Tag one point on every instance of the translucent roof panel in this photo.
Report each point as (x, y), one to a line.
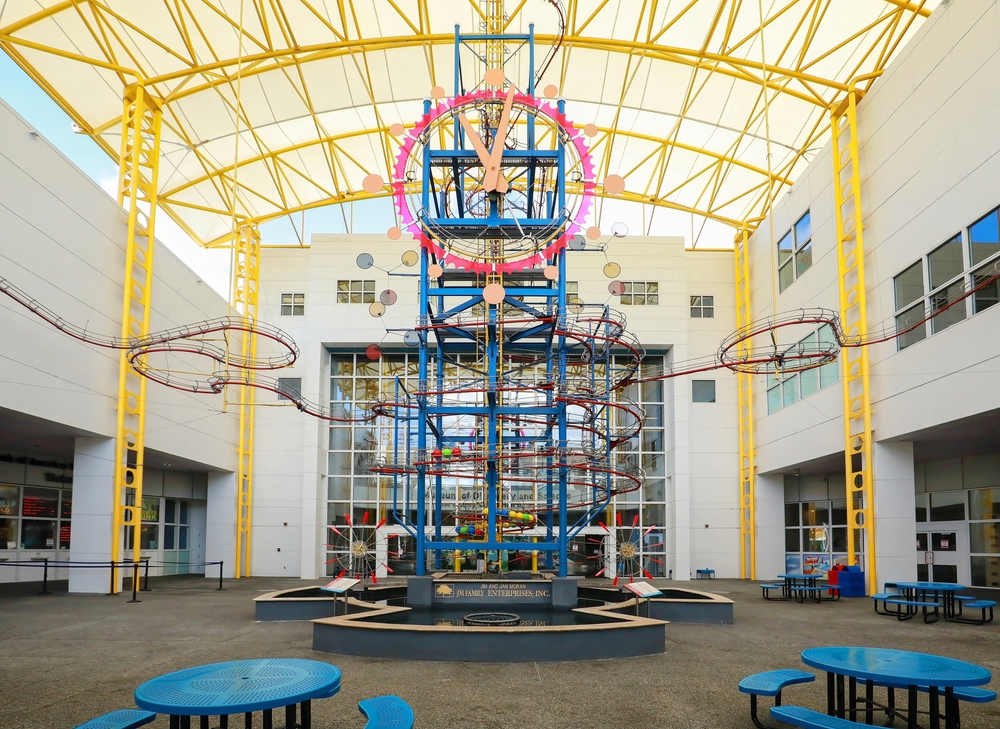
(708, 106)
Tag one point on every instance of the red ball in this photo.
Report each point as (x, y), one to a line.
(456, 451)
(436, 453)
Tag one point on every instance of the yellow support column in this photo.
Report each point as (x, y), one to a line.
(744, 385)
(854, 320)
(140, 154)
(246, 277)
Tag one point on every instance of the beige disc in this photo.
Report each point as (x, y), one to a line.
(409, 258)
(435, 271)
(493, 293)
(397, 130)
(590, 130)
(438, 92)
(575, 305)
(373, 183)
(495, 77)
(377, 309)
(551, 273)
(593, 232)
(393, 233)
(551, 91)
(612, 270)
(614, 184)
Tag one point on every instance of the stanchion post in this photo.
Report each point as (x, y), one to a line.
(145, 577)
(45, 578)
(113, 585)
(221, 562)
(135, 582)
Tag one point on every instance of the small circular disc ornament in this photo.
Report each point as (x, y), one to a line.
(393, 233)
(575, 305)
(616, 288)
(614, 184)
(373, 352)
(397, 130)
(373, 183)
(377, 309)
(435, 270)
(612, 270)
(409, 258)
(593, 232)
(387, 297)
(577, 242)
(365, 261)
(495, 77)
(494, 293)
(551, 273)
(591, 130)
(551, 91)
(619, 230)
(438, 92)
(411, 339)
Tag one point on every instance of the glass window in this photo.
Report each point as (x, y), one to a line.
(803, 230)
(793, 540)
(984, 537)
(170, 512)
(987, 294)
(947, 308)
(169, 536)
(703, 390)
(790, 390)
(40, 502)
(948, 506)
(774, 399)
(985, 571)
(65, 532)
(839, 539)
(182, 537)
(815, 539)
(910, 327)
(786, 275)
(815, 513)
(8, 500)
(922, 542)
(702, 307)
(291, 386)
(38, 533)
(945, 262)
(184, 513)
(803, 259)
(785, 246)
(921, 507)
(65, 504)
(791, 515)
(984, 240)
(293, 304)
(984, 504)
(838, 513)
(149, 536)
(8, 533)
(809, 382)
(150, 508)
(909, 285)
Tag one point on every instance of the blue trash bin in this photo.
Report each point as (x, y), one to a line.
(852, 582)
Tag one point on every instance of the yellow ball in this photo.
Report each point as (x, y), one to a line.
(486, 510)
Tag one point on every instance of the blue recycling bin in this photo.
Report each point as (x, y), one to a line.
(852, 582)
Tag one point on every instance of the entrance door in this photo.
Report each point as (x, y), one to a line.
(948, 549)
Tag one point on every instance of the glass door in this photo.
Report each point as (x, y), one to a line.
(176, 537)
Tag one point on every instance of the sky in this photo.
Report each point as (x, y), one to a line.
(375, 216)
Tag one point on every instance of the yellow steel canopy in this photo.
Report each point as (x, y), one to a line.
(289, 102)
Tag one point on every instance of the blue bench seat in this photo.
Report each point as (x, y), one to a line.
(767, 587)
(122, 719)
(709, 574)
(770, 683)
(929, 608)
(809, 719)
(386, 712)
(982, 605)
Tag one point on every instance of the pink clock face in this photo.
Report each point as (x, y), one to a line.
(458, 193)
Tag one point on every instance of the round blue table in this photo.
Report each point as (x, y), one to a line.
(792, 588)
(893, 668)
(240, 687)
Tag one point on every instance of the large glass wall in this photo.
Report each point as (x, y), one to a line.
(356, 494)
(815, 536)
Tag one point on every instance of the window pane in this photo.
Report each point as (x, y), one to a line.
(984, 240)
(790, 390)
(984, 538)
(341, 388)
(170, 511)
(785, 248)
(803, 260)
(169, 536)
(287, 298)
(8, 501)
(703, 390)
(708, 300)
(652, 391)
(829, 374)
(340, 438)
(910, 332)
(182, 542)
(65, 532)
(947, 315)
(803, 230)
(989, 294)
(289, 386)
(792, 541)
(774, 399)
(909, 285)
(921, 507)
(695, 312)
(809, 381)
(839, 539)
(652, 490)
(839, 513)
(791, 515)
(948, 506)
(40, 502)
(986, 571)
(695, 301)
(338, 489)
(984, 504)
(815, 539)
(815, 513)
(945, 262)
(785, 276)
(150, 508)
(38, 533)
(8, 534)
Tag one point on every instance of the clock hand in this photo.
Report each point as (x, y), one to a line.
(477, 143)
(494, 180)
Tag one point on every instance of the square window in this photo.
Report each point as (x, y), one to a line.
(947, 307)
(289, 386)
(785, 246)
(803, 230)
(910, 327)
(803, 259)
(703, 390)
(774, 399)
(293, 304)
(989, 294)
(785, 276)
(984, 238)
(909, 285)
(945, 262)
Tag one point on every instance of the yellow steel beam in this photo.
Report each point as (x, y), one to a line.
(140, 158)
(854, 321)
(744, 402)
(246, 280)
